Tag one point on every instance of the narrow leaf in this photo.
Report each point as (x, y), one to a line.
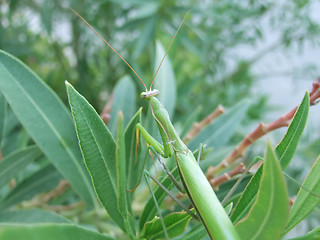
(175, 223)
(288, 145)
(43, 180)
(222, 129)
(124, 100)
(98, 150)
(165, 81)
(31, 216)
(284, 154)
(49, 231)
(3, 113)
(46, 120)
(268, 215)
(14, 163)
(122, 176)
(307, 198)
(133, 161)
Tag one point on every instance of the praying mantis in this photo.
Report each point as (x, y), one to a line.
(208, 208)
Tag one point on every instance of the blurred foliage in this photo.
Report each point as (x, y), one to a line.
(213, 55)
(51, 39)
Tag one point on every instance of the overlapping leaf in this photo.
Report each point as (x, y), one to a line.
(307, 198)
(284, 154)
(46, 120)
(43, 180)
(268, 215)
(11, 165)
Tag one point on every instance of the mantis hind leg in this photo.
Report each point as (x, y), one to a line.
(147, 174)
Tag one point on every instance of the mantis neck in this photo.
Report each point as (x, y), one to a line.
(162, 117)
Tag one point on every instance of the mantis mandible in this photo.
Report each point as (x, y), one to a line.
(201, 194)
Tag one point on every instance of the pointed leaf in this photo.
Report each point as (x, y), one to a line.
(307, 198)
(133, 161)
(175, 223)
(288, 145)
(284, 153)
(14, 163)
(165, 81)
(46, 120)
(268, 215)
(124, 100)
(49, 231)
(98, 150)
(122, 177)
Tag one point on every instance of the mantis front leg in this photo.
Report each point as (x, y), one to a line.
(164, 150)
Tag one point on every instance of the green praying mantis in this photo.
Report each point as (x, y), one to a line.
(208, 208)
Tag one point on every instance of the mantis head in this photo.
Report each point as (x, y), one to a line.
(148, 94)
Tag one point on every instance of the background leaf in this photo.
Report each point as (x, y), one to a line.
(124, 100)
(49, 231)
(165, 81)
(47, 121)
(31, 216)
(14, 163)
(222, 129)
(43, 180)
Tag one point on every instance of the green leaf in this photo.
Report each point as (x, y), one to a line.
(98, 150)
(124, 100)
(145, 37)
(122, 177)
(46, 120)
(284, 153)
(31, 216)
(49, 231)
(133, 161)
(14, 163)
(165, 81)
(312, 235)
(222, 129)
(268, 215)
(198, 232)
(288, 145)
(176, 224)
(307, 198)
(43, 180)
(150, 210)
(247, 197)
(3, 114)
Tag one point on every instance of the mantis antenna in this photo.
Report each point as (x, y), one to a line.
(110, 47)
(184, 18)
(124, 59)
